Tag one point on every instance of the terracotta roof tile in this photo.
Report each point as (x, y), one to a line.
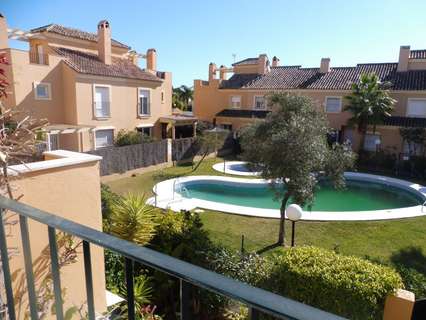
(341, 78)
(87, 63)
(75, 33)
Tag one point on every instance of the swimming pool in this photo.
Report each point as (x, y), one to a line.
(366, 197)
(238, 168)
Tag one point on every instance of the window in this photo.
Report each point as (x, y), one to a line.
(371, 142)
(42, 91)
(413, 149)
(333, 104)
(146, 131)
(104, 138)
(236, 101)
(416, 108)
(53, 141)
(226, 126)
(163, 98)
(259, 102)
(102, 101)
(144, 108)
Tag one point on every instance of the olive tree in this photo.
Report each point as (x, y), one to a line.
(290, 148)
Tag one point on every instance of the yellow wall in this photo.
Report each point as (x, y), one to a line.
(72, 192)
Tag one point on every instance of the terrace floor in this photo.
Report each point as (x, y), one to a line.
(398, 241)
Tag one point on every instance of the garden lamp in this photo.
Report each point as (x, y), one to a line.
(294, 213)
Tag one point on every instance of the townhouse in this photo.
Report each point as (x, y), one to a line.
(89, 86)
(234, 102)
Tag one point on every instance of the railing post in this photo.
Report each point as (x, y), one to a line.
(89, 280)
(253, 314)
(185, 300)
(6, 269)
(130, 289)
(55, 273)
(23, 222)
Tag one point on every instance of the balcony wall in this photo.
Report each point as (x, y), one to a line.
(68, 184)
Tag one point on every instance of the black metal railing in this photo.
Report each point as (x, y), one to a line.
(256, 299)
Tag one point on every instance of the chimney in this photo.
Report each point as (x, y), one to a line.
(212, 71)
(275, 61)
(404, 54)
(3, 33)
(104, 42)
(325, 65)
(263, 64)
(134, 57)
(151, 60)
(222, 72)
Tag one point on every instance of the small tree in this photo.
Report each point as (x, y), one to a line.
(132, 219)
(414, 137)
(369, 103)
(290, 147)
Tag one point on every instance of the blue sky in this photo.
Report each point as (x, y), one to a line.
(190, 34)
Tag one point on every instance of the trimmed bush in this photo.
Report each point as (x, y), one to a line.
(349, 286)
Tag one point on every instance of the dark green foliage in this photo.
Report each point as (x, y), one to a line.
(114, 270)
(246, 267)
(291, 145)
(413, 280)
(182, 236)
(107, 199)
(126, 138)
(344, 285)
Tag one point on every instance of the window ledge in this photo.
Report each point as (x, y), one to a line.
(144, 116)
(102, 118)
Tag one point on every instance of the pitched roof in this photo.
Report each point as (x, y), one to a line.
(340, 78)
(75, 33)
(246, 61)
(87, 63)
(418, 54)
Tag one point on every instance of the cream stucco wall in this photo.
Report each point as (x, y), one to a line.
(72, 192)
(72, 97)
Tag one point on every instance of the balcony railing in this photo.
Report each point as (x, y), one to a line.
(256, 299)
(38, 58)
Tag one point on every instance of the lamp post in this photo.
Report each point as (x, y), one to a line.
(294, 213)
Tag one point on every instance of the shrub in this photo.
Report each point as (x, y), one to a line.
(246, 267)
(344, 285)
(414, 280)
(125, 138)
(182, 236)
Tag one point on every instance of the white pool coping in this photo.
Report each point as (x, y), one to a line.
(219, 167)
(168, 197)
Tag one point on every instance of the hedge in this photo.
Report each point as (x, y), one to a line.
(348, 286)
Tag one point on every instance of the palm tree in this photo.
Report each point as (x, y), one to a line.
(132, 220)
(369, 103)
(182, 97)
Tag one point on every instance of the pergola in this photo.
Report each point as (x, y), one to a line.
(174, 121)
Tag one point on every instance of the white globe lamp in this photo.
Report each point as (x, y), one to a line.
(294, 213)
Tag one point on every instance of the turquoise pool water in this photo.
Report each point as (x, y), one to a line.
(358, 196)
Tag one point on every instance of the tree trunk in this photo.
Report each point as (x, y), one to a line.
(281, 233)
(199, 162)
(362, 141)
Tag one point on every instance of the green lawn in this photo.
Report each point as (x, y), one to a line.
(398, 240)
